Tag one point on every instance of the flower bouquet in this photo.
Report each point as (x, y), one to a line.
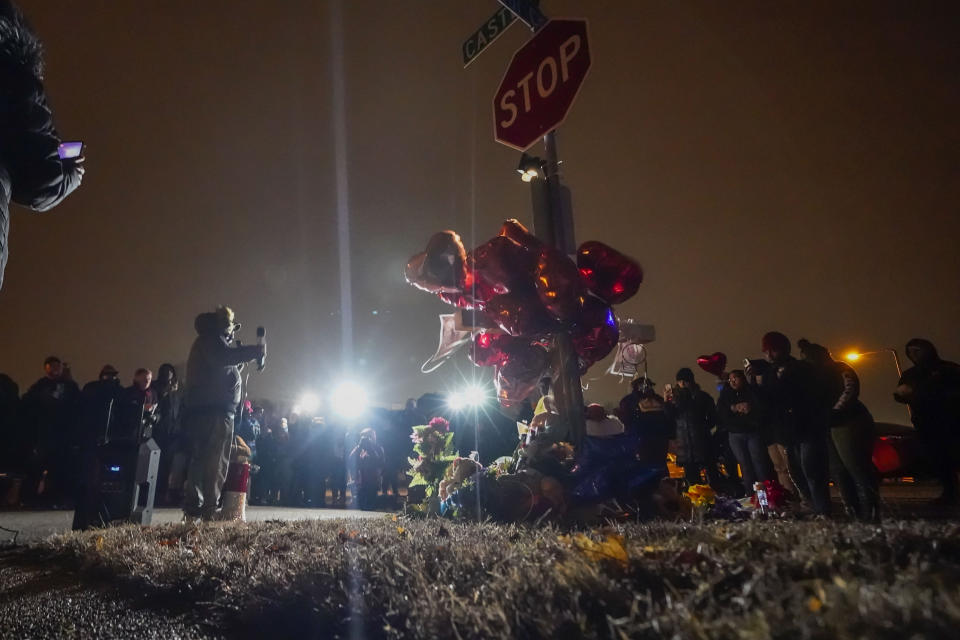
(433, 444)
(702, 497)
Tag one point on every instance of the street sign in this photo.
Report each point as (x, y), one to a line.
(527, 10)
(541, 83)
(487, 33)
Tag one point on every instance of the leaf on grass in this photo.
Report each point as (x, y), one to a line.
(98, 543)
(814, 604)
(345, 536)
(401, 531)
(609, 548)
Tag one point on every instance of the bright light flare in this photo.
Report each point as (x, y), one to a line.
(529, 174)
(466, 398)
(308, 404)
(349, 400)
(852, 356)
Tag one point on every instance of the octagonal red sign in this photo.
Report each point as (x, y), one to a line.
(541, 83)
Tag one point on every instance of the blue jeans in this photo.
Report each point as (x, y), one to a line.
(751, 452)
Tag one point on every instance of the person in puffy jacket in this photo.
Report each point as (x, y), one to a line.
(695, 415)
(32, 173)
(212, 395)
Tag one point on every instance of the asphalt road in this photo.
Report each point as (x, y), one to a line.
(36, 525)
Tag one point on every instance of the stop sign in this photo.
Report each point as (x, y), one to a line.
(541, 83)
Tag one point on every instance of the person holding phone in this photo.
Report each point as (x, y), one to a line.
(32, 171)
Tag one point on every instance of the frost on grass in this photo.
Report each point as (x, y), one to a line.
(437, 579)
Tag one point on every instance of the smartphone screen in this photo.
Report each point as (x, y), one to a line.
(69, 149)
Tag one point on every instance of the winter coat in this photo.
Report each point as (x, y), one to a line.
(654, 428)
(31, 171)
(50, 407)
(932, 389)
(168, 432)
(213, 378)
(695, 415)
(796, 401)
(736, 422)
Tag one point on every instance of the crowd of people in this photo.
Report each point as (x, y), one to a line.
(797, 421)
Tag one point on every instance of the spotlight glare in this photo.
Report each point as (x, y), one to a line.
(467, 398)
(349, 400)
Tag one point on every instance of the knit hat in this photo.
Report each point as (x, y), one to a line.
(775, 341)
(108, 370)
(685, 375)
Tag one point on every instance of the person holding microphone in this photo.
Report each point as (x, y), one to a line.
(212, 396)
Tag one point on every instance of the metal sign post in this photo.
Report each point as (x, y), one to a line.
(536, 93)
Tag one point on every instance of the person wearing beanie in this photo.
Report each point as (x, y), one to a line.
(695, 416)
(644, 414)
(798, 414)
(212, 397)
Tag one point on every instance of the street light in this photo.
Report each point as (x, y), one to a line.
(530, 167)
(854, 356)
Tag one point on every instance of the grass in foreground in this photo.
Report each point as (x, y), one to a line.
(433, 579)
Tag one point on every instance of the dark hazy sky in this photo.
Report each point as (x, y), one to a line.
(773, 165)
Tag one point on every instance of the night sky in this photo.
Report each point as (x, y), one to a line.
(788, 165)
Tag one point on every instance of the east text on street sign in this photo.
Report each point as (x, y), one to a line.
(487, 33)
(541, 83)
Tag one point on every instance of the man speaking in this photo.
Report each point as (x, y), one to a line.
(212, 396)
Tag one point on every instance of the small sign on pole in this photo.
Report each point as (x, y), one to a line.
(489, 31)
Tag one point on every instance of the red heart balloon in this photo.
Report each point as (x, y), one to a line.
(558, 284)
(608, 273)
(446, 260)
(519, 313)
(595, 332)
(714, 364)
(499, 266)
(441, 269)
(489, 348)
(519, 374)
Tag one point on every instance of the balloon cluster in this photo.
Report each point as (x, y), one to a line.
(528, 290)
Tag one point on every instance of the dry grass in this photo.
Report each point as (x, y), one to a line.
(432, 579)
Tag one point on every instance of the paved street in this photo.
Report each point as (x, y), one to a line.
(34, 525)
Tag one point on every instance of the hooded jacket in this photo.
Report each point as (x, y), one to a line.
(31, 171)
(932, 389)
(213, 378)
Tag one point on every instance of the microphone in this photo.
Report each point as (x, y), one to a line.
(261, 339)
